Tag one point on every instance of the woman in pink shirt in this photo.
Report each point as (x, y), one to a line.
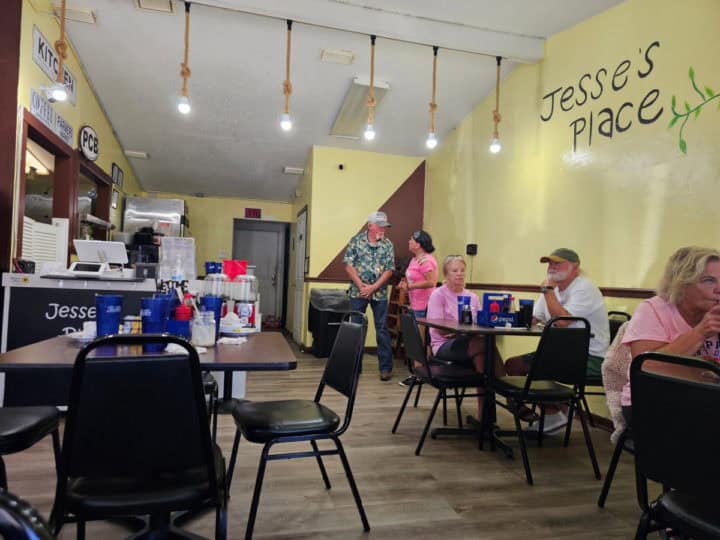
(684, 317)
(422, 272)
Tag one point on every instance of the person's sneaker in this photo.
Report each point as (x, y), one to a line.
(407, 381)
(385, 375)
(553, 423)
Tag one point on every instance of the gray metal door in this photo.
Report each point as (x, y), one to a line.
(262, 244)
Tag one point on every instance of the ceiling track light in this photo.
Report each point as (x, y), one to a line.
(495, 145)
(58, 91)
(370, 129)
(431, 141)
(285, 121)
(183, 103)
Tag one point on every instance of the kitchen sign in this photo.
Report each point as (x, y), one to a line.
(43, 111)
(46, 58)
(88, 143)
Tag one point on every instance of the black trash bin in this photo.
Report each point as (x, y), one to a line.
(326, 310)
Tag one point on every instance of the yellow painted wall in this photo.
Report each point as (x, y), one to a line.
(626, 203)
(211, 222)
(86, 111)
(340, 202)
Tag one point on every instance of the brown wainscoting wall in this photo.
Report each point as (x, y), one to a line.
(404, 209)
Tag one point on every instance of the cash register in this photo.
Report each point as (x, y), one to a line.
(95, 258)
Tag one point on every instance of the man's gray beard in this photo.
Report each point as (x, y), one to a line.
(558, 276)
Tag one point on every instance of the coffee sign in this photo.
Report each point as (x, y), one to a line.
(88, 143)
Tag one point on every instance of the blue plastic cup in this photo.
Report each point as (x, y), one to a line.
(168, 300)
(153, 314)
(108, 311)
(179, 328)
(209, 267)
(462, 301)
(214, 304)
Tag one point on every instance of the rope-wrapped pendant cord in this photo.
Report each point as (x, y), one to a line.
(433, 103)
(496, 113)
(61, 46)
(287, 85)
(371, 90)
(184, 69)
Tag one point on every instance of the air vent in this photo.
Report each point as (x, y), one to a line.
(350, 121)
(156, 6)
(337, 56)
(293, 170)
(77, 14)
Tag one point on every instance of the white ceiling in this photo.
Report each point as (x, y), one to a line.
(231, 144)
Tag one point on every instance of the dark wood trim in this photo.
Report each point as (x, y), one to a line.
(613, 292)
(10, 24)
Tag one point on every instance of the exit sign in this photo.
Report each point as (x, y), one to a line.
(253, 213)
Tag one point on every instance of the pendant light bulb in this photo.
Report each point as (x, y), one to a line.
(57, 92)
(285, 122)
(183, 105)
(369, 132)
(495, 146)
(431, 141)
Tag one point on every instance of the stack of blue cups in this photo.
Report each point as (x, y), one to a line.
(214, 304)
(154, 313)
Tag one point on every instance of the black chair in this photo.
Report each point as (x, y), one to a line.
(137, 440)
(557, 375)
(441, 375)
(28, 415)
(20, 521)
(677, 444)
(615, 320)
(624, 442)
(274, 422)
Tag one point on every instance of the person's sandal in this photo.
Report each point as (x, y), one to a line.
(528, 415)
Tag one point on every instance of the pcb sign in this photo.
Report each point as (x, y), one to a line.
(45, 56)
(88, 142)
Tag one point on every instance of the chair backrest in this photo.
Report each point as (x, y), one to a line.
(562, 352)
(616, 319)
(136, 416)
(677, 441)
(414, 348)
(344, 364)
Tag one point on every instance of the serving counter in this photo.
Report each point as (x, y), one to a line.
(37, 308)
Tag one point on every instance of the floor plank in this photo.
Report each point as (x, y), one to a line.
(452, 490)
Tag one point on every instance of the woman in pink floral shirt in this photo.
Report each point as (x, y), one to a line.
(422, 272)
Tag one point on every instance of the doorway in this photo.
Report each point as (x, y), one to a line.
(264, 244)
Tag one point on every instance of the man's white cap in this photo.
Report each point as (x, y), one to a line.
(379, 219)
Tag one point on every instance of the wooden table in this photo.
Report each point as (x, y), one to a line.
(265, 351)
(490, 334)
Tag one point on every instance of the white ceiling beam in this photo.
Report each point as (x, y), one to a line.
(392, 25)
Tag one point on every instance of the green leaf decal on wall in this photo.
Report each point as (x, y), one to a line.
(705, 98)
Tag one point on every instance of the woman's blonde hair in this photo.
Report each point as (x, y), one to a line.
(684, 268)
(451, 258)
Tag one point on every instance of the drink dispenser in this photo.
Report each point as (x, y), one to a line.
(214, 285)
(246, 294)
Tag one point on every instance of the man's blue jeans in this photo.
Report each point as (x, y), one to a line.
(379, 309)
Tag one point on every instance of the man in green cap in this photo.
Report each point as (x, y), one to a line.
(567, 292)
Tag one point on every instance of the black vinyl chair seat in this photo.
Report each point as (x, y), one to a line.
(543, 390)
(22, 427)
(450, 375)
(264, 421)
(697, 516)
(143, 495)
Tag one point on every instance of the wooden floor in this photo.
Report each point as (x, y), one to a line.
(451, 491)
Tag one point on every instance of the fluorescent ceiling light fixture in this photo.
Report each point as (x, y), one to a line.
(77, 14)
(337, 56)
(351, 120)
(57, 93)
(293, 170)
(137, 154)
(156, 6)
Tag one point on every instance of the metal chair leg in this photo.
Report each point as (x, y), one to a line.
(402, 407)
(320, 464)
(351, 481)
(568, 428)
(611, 469)
(588, 443)
(257, 490)
(429, 422)
(587, 409)
(233, 457)
(541, 427)
(3, 474)
(523, 448)
(417, 394)
(458, 404)
(80, 530)
(444, 398)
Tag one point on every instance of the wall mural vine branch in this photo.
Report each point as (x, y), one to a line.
(705, 97)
